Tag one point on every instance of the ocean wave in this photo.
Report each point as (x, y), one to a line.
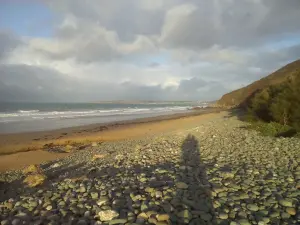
(28, 111)
(32, 115)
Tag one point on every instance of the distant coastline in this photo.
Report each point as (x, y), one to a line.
(151, 102)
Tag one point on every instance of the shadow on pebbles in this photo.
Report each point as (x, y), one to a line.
(212, 174)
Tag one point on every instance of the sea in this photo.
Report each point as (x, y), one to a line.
(28, 117)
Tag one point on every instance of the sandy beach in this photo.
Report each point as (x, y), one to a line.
(200, 169)
(21, 149)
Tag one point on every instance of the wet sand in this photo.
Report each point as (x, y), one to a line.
(19, 150)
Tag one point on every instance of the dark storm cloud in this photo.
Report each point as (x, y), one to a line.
(31, 83)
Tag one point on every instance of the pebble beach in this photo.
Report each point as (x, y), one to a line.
(213, 172)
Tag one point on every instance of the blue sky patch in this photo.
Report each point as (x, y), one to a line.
(26, 18)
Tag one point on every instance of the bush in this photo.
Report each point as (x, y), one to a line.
(273, 129)
(277, 105)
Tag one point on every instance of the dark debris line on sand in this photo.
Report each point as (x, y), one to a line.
(216, 173)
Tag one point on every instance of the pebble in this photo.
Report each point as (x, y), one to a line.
(236, 178)
(181, 185)
(16, 222)
(253, 207)
(244, 222)
(223, 216)
(117, 221)
(102, 201)
(162, 217)
(291, 211)
(82, 189)
(286, 202)
(285, 215)
(94, 195)
(143, 216)
(184, 214)
(82, 222)
(107, 215)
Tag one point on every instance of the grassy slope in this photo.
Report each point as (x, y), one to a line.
(240, 96)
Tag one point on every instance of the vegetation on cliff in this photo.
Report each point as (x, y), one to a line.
(273, 103)
(278, 104)
(241, 96)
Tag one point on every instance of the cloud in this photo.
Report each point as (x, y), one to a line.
(31, 83)
(8, 42)
(145, 50)
(244, 23)
(88, 42)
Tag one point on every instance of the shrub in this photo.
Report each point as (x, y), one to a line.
(273, 129)
(279, 104)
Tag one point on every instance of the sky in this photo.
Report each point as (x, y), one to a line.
(95, 50)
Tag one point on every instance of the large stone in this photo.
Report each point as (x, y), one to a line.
(94, 195)
(286, 202)
(94, 144)
(253, 207)
(152, 220)
(162, 223)
(68, 148)
(186, 214)
(181, 185)
(285, 215)
(82, 222)
(227, 175)
(223, 216)
(291, 211)
(206, 216)
(117, 221)
(142, 216)
(98, 156)
(55, 165)
(102, 200)
(149, 189)
(107, 215)
(4, 222)
(162, 217)
(16, 222)
(244, 222)
(34, 180)
(32, 169)
(82, 189)
(275, 214)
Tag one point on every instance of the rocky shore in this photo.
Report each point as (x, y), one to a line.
(216, 172)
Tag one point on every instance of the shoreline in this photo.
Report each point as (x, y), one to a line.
(189, 175)
(20, 149)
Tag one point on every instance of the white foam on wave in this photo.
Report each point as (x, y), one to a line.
(28, 111)
(32, 115)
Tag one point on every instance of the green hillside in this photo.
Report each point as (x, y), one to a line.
(241, 96)
(278, 103)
